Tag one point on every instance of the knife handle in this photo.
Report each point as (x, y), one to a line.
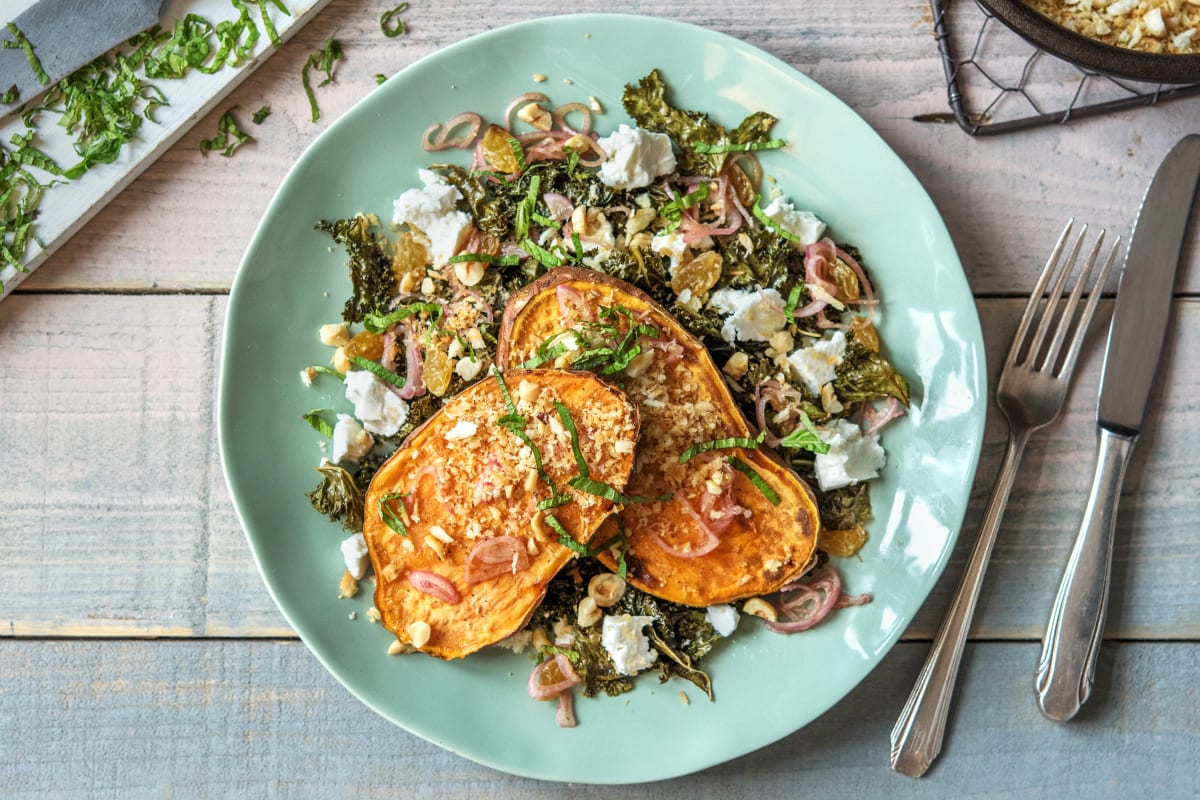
(1072, 641)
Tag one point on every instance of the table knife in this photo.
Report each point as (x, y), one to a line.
(64, 35)
(1135, 339)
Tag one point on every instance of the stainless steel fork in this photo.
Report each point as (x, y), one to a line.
(1032, 387)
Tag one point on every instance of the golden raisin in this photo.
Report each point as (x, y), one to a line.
(845, 542)
(867, 336)
(366, 344)
(497, 148)
(410, 260)
(699, 275)
(438, 369)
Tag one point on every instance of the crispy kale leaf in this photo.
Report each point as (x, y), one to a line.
(647, 104)
(865, 375)
(338, 496)
(370, 266)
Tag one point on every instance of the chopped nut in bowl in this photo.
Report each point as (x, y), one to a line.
(1145, 40)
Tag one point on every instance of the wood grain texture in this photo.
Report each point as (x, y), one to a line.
(264, 719)
(878, 57)
(118, 522)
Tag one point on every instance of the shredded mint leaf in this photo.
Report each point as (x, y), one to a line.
(261, 115)
(229, 136)
(323, 60)
(744, 147)
(758, 481)
(20, 42)
(486, 258)
(805, 437)
(378, 323)
(379, 370)
(720, 444)
(775, 227)
(316, 418)
(391, 24)
(11, 95)
(380, 78)
(387, 512)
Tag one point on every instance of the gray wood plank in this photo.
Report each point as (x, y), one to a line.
(117, 521)
(263, 719)
(879, 57)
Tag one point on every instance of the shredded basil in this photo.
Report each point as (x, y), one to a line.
(565, 538)
(720, 444)
(380, 78)
(261, 115)
(518, 153)
(540, 253)
(602, 489)
(564, 415)
(755, 478)
(391, 24)
(11, 95)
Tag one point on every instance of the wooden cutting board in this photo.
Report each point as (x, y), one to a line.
(64, 209)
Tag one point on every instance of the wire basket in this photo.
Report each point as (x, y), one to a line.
(997, 82)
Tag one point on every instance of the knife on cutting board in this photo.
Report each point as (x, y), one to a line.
(64, 209)
(1135, 340)
(63, 36)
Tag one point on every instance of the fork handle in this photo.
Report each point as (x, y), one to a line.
(917, 736)
(1067, 664)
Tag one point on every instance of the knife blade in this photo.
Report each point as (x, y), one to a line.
(1067, 665)
(65, 35)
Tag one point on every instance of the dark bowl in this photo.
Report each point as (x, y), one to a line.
(1091, 54)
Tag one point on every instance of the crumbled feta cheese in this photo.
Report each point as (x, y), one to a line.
(635, 158)
(629, 648)
(468, 368)
(670, 245)
(852, 457)
(804, 225)
(816, 364)
(1153, 20)
(433, 212)
(350, 441)
(753, 316)
(380, 410)
(354, 551)
(724, 618)
(1183, 39)
(463, 429)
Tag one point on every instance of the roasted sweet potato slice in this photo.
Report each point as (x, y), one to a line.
(452, 522)
(718, 537)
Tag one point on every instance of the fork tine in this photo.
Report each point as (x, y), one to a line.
(1090, 308)
(1035, 296)
(1067, 316)
(1052, 301)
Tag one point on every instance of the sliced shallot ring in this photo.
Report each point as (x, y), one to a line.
(817, 595)
(710, 542)
(539, 690)
(560, 117)
(434, 585)
(564, 713)
(499, 555)
(444, 141)
(517, 102)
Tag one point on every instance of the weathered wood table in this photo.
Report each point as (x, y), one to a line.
(140, 654)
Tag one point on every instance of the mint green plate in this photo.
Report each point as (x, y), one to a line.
(767, 685)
